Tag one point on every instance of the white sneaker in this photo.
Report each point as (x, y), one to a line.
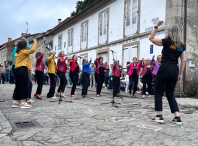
(90, 86)
(143, 96)
(93, 86)
(31, 100)
(25, 105)
(54, 97)
(149, 96)
(15, 104)
(105, 87)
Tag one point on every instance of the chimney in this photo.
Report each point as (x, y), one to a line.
(9, 39)
(59, 21)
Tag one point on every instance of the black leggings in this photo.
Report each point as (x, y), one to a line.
(116, 86)
(52, 85)
(63, 81)
(85, 83)
(147, 79)
(99, 81)
(39, 78)
(74, 78)
(167, 75)
(22, 81)
(133, 79)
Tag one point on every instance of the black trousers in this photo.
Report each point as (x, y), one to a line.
(63, 81)
(85, 83)
(167, 75)
(74, 78)
(99, 81)
(147, 79)
(39, 79)
(106, 81)
(29, 89)
(133, 79)
(52, 85)
(22, 82)
(116, 85)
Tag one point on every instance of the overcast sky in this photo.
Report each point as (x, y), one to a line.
(40, 14)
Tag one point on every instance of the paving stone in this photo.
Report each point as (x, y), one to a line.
(87, 123)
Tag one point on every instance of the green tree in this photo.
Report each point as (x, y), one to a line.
(81, 5)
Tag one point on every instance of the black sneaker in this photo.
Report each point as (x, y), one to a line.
(161, 120)
(177, 121)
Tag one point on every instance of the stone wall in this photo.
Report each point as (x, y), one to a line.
(175, 15)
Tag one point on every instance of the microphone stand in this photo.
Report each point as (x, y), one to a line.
(114, 104)
(60, 99)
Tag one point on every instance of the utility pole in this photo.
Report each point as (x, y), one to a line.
(27, 27)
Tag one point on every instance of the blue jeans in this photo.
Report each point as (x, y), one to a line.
(67, 78)
(45, 79)
(12, 79)
(7, 78)
(3, 78)
(35, 78)
(110, 82)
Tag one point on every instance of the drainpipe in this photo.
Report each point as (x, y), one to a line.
(185, 33)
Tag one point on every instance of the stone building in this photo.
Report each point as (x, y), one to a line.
(124, 26)
(7, 48)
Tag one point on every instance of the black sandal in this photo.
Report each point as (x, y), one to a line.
(161, 120)
(177, 121)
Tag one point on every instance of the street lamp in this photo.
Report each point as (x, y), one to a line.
(44, 38)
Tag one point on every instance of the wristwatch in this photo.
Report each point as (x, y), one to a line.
(156, 27)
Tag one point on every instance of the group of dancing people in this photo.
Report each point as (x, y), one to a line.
(164, 72)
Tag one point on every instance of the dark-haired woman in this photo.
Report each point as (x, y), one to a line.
(133, 74)
(51, 72)
(74, 70)
(39, 73)
(22, 64)
(85, 75)
(169, 73)
(61, 70)
(100, 74)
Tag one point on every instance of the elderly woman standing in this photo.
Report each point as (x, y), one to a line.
(85, 76)
(148, 77)
(169, 73)
(156, 64)
(100, 74)
(61, 70)
(39, 73)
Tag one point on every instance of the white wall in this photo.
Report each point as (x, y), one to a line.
(116, 19)
(150, 10)
(145, 48)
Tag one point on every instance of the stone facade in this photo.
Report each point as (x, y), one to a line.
(175, 15)
(6, 51)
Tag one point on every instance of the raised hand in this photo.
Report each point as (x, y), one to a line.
(142, 59)
(90, 58)
(34, 40)
(159, 22)
(54, 52)
(153, 56)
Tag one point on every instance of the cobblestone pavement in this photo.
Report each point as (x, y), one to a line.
(87, 123)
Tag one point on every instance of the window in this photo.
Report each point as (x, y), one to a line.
(70, 40)
(103, 27)
(84, 37)
(131, 10)
(60, 42)
(129, 53)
